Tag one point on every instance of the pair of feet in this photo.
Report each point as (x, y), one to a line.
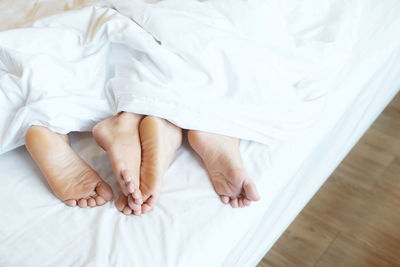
(140, 149)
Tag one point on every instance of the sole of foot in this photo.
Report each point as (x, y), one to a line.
(119, 137)
(159, 141)
(222, 159)
(72, 180)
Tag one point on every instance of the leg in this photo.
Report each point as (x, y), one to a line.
(69, 176)
(223, 162)
(159, 140)
(119, 136)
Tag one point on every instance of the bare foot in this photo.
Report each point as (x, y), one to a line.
(119, 136)
(223, 162)
(159, 139)
(69, 176)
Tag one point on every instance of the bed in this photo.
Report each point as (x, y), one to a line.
(36, 229)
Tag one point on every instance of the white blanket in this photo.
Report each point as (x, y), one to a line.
(230, 67)
(189, 226)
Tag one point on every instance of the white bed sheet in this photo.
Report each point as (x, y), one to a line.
(190, 227)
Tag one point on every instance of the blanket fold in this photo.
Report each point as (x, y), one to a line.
(228, 67)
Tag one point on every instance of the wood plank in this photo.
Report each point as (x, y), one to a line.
(388, 185)
(309, 235)
(388, 122)
(381, 141)
(340, 204)
(348, 251)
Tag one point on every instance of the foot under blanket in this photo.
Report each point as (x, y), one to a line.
(237, 68)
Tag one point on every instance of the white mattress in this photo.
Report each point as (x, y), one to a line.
(189, 226)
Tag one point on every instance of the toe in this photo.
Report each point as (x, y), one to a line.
(150, 202)
(70, 202)
(246, 202)
(125, 175)
(100, 201)
(82, 203)
(104, 190)
(224, 199)
(240, 203)
(251, 191)
(131, 187)
(137, 196)
(132, 203)
(127, 179)
(146, 208)
(234, 203)
(121, 202)
(91, 202)
(127, 211)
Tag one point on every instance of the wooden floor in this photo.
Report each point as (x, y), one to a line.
(354, 219)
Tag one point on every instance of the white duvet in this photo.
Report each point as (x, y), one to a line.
(58, 71)
(237, 68)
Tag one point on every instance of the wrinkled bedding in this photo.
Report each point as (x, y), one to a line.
(350, 82)
(227, 67)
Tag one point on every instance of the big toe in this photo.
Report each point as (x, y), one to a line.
(251, 191)
(149, 203)
(121, 202)
(104, 190)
